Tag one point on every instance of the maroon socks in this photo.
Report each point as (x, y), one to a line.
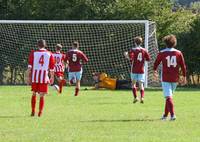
(76, 91)
(134, 90)
(142, 93)
(170, 106)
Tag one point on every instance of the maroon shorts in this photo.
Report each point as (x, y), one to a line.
(40, 87)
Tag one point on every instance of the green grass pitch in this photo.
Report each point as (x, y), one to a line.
(98, 116)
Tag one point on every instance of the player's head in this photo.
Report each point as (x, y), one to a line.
(75, 44)
(102, 76)
(138, 40)
(58, 47)
(170, 41)
(41, 43)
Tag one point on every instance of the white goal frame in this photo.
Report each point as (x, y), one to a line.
(145, 22)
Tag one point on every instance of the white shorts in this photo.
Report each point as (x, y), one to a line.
(138, 77)
(168, 88)
(75, 75)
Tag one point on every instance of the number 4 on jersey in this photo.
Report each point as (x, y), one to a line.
(139, 57)
(41, 60)
(171, 61)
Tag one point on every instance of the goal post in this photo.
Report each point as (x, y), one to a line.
(146, 45)
(103, 41)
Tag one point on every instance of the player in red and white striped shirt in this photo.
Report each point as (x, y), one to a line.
(39, 64)
(59, 67)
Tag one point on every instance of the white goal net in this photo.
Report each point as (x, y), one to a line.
(102, 41)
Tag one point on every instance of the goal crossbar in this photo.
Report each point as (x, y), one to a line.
(73, 21)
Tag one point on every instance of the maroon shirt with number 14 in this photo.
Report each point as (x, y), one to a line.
(172, 59)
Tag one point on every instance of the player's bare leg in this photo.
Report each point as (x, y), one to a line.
(61, 82)
(41, 105)
(141, 87)
(134, 90)
(72, 81)
(56, 86)
(78, 82)
(33, 103)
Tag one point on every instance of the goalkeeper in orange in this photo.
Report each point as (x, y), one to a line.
(102, 80)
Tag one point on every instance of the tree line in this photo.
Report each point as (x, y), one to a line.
(170, 19)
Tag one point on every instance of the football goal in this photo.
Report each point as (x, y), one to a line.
(102, 41)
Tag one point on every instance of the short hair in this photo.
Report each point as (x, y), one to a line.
(41, 43)
(58, 46)
(138, 40)
(75, 44)
(170, 41)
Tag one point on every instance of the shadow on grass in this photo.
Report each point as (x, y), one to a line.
(111, 103)
(154, 89)
(123, 120)
(2, 117)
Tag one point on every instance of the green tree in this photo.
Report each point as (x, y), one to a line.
(190, 45)
(160, 11)
(195, 6)
(55, 9)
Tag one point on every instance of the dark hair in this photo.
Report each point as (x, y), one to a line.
(41, 43)
(170, 41)
(75, 44)
(138, 40)
(58, 46)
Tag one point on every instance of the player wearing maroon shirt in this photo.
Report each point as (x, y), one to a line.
(39, 64)
(74, 57)
(59, 68)
(137, 56)
(172, 60)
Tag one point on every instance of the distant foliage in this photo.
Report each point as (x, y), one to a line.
(185, 2)
(195, 7)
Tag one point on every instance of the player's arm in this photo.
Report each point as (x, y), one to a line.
(51, 69)
(147, 56)
(28, 76)
(126, 55)
(29, 70)
(66, 60)
(84, 58)
(51, 76)
(63, 58)
(183, 80)
(129, 55)
(156, 64)
(66, 64)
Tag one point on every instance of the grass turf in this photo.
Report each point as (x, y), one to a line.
(98, 116)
